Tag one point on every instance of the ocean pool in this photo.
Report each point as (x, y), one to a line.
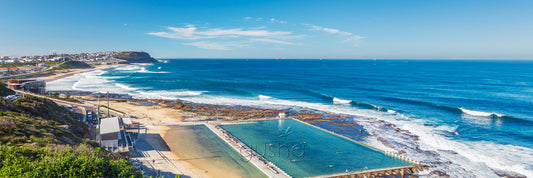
(302, 150)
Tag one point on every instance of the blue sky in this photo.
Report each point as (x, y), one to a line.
(354, 29)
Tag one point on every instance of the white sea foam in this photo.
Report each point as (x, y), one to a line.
(143, 64)
(474, 157)
(129, 67)
(264, 97)
(160, 94)
(140, 68)
(126, 87)
(93, 81)
(479, 113)
(144, 70)
(341, 101)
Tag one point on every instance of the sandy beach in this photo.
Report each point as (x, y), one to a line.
(70, 72)
(187, 150)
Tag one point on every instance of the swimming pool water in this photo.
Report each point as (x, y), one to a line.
(302, 150)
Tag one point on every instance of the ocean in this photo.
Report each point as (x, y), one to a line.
(471, 118)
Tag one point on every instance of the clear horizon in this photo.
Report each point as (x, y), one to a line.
(272, 29)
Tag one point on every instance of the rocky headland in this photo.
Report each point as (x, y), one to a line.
(135, 57)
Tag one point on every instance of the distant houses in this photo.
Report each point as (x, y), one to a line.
(60, 59)
(86, 57)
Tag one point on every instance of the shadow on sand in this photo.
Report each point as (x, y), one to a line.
(149, 147)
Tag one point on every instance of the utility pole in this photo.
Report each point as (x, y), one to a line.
(108, 113)
(98, 118)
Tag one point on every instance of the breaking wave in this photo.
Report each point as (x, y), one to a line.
(480, 113)
(139, 68)
(341, 101)
(263, 97)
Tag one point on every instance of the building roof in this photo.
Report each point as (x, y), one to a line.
(126, 121)
(109, 125)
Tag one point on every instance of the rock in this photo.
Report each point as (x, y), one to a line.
(135, 57)
(438, 173)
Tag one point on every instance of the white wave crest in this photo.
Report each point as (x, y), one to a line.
(143, 64)
(341, 101)
(161, 94)
(138, 68)
(144, 70)
(129, 67)
(264, 97)
(126, 87)
(480, 113)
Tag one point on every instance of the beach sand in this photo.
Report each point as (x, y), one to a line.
(194, 155)
(206, 153)
(58, 75)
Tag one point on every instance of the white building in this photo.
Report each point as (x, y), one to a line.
(110, 132)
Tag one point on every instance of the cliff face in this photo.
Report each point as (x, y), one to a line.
(135, 57)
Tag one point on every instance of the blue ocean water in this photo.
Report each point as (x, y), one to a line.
(476, 114)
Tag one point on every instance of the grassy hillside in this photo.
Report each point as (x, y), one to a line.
(35, 135)
(73, 65)
(5, 91)
(62, 161)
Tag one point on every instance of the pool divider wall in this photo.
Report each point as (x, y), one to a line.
(342, 136)
(215, 128)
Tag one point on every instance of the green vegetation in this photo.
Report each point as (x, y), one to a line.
(62, 161)
(73, 65)
(66, 98)
(35, 135)
(38, 121)
(5, 91)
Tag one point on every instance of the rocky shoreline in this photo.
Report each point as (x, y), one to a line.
(349, 126)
